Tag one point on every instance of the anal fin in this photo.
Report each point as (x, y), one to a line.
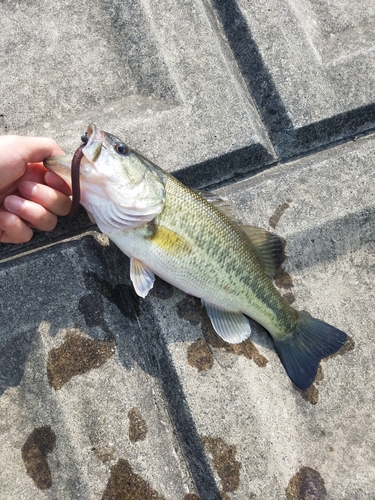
(233, 327)
(142, 278)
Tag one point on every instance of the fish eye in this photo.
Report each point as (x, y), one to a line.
(84, 138)
(122, 148)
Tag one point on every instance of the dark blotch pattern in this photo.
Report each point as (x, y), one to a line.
(307, 484)
(77, 355)
(224, 462)
(38, 445)
(199, 355)
(125, 484)
(137, 426)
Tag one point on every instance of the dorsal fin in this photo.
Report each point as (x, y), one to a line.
(269, 247)
(222, 205)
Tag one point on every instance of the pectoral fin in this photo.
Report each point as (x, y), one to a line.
(233, 327)
(142, 278)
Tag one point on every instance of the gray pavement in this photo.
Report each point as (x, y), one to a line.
(107, 396)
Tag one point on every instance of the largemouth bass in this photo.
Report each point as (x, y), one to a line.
(190, 240)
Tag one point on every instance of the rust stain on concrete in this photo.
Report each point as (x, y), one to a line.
(76, 356)
(38, 445)
(137, 425)
(125, 484)
(307, 484)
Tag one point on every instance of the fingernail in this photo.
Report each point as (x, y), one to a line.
(13, 203)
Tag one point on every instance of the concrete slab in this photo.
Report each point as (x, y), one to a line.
(310, 67)
(153, 74)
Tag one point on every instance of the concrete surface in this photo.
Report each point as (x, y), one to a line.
(107, 396)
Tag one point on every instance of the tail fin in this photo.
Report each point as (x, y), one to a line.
(302, 349)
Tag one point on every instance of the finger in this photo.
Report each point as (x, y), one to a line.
(34, 172)
(56, 182)
(18, 151)
(33, 213)
(13, 229)
(36, 149)
(51, 199)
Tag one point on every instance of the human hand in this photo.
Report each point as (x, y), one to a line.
(30, 195)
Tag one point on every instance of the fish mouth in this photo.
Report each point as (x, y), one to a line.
(94, 142)
(69, 167)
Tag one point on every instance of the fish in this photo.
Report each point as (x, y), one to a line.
(191, 240)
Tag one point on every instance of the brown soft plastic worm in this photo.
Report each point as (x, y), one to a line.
(76, 162)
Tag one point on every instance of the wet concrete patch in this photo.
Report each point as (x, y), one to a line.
(92, 308)
(162, 289)
(307, 484)
(190, 309)
(246, 348)
(283, 279)
(137, 425)
(104, 455)
(76, 356)
(224, 462)
(278, 213)
(289, 298)
(348, 346)
(199, 355)
(37, 446)
(125, 484)
(311, 394)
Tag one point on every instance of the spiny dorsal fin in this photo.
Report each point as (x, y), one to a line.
(222, 205)
(268, 247)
